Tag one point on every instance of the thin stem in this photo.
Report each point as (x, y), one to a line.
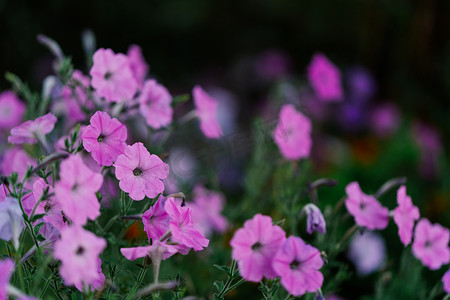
(349, 232)
(387, 186)
(50, 159)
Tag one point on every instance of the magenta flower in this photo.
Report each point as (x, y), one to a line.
(366, 210)
(140, 173)
(76, 191)
(95, 284)
(325, 78)
(446, 281)
(206, 211)
(430, 244)
(11, 110)
(254, 247)
(405, 215)
(76, 97)
(298, 265)
(155, 104)
(139, 66)
(6, 270)
(385, 119)
(314, 219)
(158, 248)
(206, 109)
(182, 227)
(32, 131)
(104, 138)
(78, 251)
(156, 219)
(293, 133)
(16, 160)
(112, 77)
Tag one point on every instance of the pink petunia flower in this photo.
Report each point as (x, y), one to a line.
(78, 251)
(367, 251)
(6, 270)
(158, 248)
(366, 210)
(76, 98)
(11, 110)
(254, 247)
(104, 138)
(293, 133)
(298, 265)
(16, 160)
(156, 219)
(112, 77)
(37, 191)
(405, 215)
(76, 191)
(206, 211)
(325, 78)
(206, 109)
(446, 281)
(32, 131)
(95, 284)
(182, 227)
(430, 244)
(138, 65)
(140, 173)
(155, 104)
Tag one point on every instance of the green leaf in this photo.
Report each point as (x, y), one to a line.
(180, 99)
(40, 238)
(223, 268)
(37, 217)
(219, 285)
(37, 227)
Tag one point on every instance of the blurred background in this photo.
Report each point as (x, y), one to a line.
(394, 58)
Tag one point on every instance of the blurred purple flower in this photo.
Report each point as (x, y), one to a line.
(273, 64)
(384, 119)
(325, 78)
(11, 110)
(139, 66)
(429, 142)
(367, 251)
(314, 219)
(16, 160)
(361, 84)
(446, 281)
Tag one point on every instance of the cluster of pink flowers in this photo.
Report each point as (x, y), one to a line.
(262, 250)
(431, 241)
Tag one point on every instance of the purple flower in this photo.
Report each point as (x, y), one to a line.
(405, 215)
(140, 173)
(361, 84)
(446, 281)
(385, 119)
(32, 131)
(430, 244)
(138, 65)
(367, 251)
(182, 227)
(6, 270)
(325, 78)
(298, 265)
(366, 210)
(11, 110)
(314, 219)
(16, 160)
(104, 138)
(156, 219)
(254, 247)
(112, 77)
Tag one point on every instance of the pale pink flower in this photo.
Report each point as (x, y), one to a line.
(104, 138)
(206, 109)
(112, 77)
(78, 251)
(11, 221)
(6, 270)
(37, 191)
(446, 281)
(430, 244)
(76, 98)
(138, 65)
(298, 265)
(11, 110)
(254, 247)
(140, 173)
(182, 227)
(366, 210)
(158, 248)
(155, 104)
(32, 131)
(76, 191)
(95, 284)
(206, 211)
(156, 219)
(367, 251)
(293, 133)
(16, 160)
(325, 78)
(404, 216)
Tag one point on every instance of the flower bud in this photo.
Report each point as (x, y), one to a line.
(314, 219)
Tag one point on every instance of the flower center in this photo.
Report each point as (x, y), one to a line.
(294, 264)
(256, 246)
(362, 206)
(138, 171)
(427, 244)
(108, 75)
(100, 138)
(79, 251)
